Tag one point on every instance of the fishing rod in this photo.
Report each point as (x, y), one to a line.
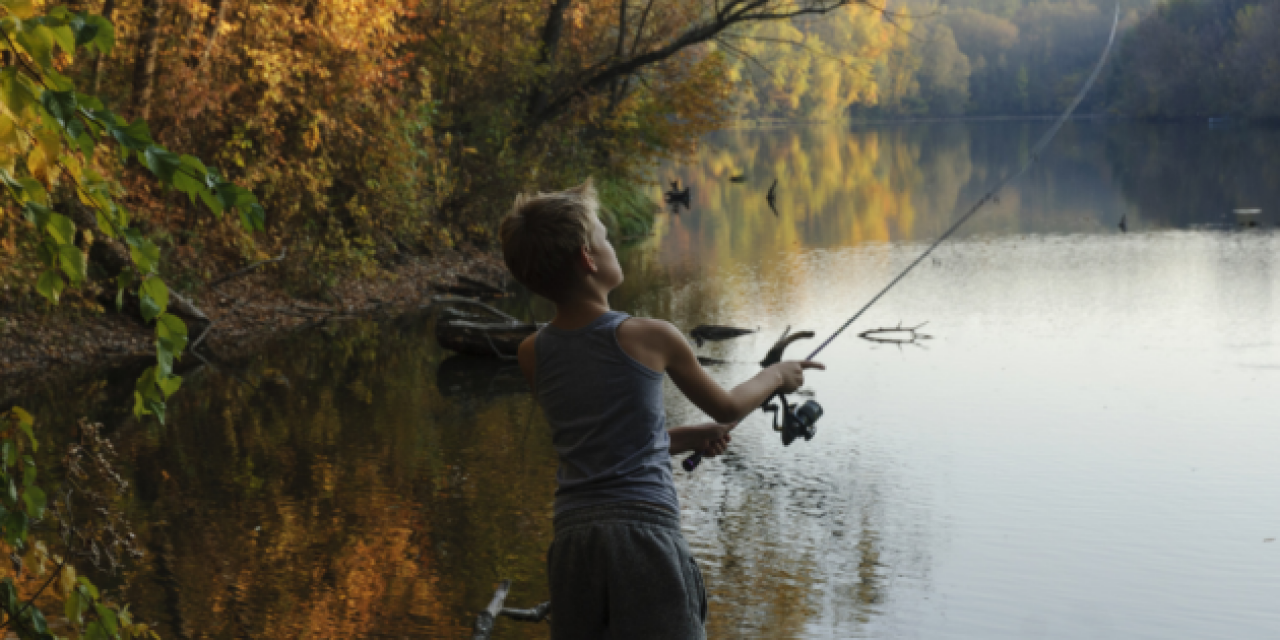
(801, 420)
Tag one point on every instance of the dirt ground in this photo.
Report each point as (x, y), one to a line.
(38, 347)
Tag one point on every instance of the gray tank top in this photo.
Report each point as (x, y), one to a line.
(608, 422)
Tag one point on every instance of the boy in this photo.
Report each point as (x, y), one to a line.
(618, 566)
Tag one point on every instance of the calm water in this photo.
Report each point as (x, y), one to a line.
(1086, 448)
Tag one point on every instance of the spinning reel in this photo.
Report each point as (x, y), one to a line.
(792, 421)
(797, 421)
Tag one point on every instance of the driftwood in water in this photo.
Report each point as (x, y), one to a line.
(714, 333)
(896, 335)
(710, 362)
(487, 332)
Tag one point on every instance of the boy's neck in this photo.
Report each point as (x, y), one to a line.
(580, 311)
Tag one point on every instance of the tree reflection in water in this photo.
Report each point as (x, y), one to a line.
(350, 481)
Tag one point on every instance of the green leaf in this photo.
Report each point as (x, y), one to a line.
(47, 253)
(91, 590)
(61, 105)
(85, 143)
(50, 285)
(61, 228)
(169, 386)
(87, 101)
(37, 40)
(35, 500)
(38, 623)
(258, 216)
(146, 256)
(9, 596)
(34, 192)
(192, 165)
(173, 331)
(15, 528)
(104, 223)
(96, 632)
(15, 92)
(124, 280)
(164, 360)
(26, 428)
(85, 30)
(105, 39)
(211, 201)
(72, 261)
(9, 454)
(36, 214)
(73, 610)
(28, 471)
(108, 618)
(162, 162)
(154, 296)
(65, 38)
(23, 416)
(135, 137)
(11, 494)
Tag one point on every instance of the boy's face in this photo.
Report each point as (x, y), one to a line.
(609, 272)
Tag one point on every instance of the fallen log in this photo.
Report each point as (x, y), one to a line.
(715, 332)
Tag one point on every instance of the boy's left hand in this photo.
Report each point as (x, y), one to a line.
(713, 448)
(719, 442)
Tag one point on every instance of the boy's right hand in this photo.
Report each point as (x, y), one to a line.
(791, 373)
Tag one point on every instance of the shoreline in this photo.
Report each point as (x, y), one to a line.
(38, 348)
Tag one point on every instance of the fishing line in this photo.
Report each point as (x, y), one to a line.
(800, 421)
(990, 195)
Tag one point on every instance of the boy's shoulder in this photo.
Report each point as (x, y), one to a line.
(652, 331)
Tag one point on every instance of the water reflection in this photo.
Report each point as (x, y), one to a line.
(1087, 441)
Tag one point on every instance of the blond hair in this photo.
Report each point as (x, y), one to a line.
(542, 235)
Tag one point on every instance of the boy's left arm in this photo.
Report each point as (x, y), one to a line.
(710, 439)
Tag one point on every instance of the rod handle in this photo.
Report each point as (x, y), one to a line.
(692, 461)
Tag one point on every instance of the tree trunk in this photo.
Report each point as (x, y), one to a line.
(551, 33)
(144, 68)
(216, 16)
(107, 9)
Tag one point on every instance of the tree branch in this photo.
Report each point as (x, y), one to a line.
(602, 75)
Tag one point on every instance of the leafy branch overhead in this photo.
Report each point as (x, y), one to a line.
(50, 135)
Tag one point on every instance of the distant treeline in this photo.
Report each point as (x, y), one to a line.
(1177, 58)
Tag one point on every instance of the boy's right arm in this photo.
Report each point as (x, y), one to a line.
(707, 394)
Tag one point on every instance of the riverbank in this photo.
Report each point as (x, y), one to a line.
(37, 347)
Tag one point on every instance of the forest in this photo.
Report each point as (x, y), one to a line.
(1181, 58)
(372, 131)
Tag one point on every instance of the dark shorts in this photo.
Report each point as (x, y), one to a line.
(622, 571)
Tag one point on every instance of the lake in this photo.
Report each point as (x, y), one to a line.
(1086, 446)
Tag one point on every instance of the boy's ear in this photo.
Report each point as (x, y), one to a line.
(587, 261)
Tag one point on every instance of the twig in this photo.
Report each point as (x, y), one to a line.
(202, 336)
(56, 572)
(536, 614)
(484, 622)
(236, 274)
(475, 303)
(500, 355)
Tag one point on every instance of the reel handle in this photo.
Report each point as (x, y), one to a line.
(773, 357)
